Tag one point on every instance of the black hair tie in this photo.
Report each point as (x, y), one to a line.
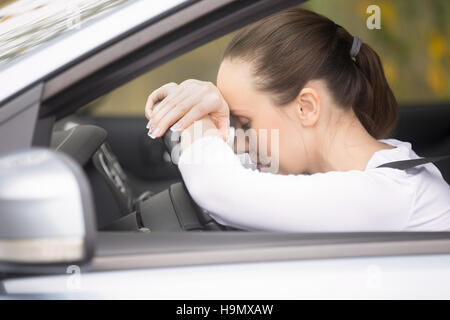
(356, 45)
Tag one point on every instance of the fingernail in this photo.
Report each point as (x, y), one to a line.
(175, 127)
(153, 133)
(148, 125)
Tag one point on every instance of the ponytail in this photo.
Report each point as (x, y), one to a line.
(380, 115)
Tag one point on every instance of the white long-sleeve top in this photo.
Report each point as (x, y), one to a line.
(376, 199)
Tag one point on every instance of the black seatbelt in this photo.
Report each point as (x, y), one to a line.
(406, 164)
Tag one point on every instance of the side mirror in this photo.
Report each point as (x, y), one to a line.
(46, 212)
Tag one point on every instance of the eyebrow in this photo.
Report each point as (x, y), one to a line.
(240, 120)
(237, 113)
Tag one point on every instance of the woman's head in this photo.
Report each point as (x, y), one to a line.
(293, 71)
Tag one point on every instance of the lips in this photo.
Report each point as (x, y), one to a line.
(259, 165)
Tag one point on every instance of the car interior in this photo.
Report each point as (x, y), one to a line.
(137, 187)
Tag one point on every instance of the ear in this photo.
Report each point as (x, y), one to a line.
(308, 106)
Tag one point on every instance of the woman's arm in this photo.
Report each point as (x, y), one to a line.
(178, 106)
(374, 200)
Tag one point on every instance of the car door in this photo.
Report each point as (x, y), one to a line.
(240, 265)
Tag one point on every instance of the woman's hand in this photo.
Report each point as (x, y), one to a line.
(185, 103)
(205, 127)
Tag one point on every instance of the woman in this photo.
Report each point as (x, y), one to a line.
(322, 93)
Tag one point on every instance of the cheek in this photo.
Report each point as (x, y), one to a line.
(283, 148)
(293, 158)
(271, 135)
(278, 152)
(279, 136)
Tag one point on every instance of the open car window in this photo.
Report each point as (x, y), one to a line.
(415, 56)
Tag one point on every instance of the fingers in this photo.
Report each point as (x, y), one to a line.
(222, 122)
(168, 104)
(191, 115)
(186, 89)
(158, 95)
(178, 106)
(224, 127)
(160, 126)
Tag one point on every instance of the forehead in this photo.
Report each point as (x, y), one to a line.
(233, 73)
(235, 83)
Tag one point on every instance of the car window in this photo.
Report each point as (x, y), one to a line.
(25, 24)
(201, 63)
(413, 43)
(40, 37)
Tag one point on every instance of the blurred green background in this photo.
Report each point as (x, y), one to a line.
(413, 43)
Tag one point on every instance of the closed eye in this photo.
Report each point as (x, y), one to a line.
(246, 126)
(243, 122)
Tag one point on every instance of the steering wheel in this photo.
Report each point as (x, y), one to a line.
(174, 209)
(170, 210)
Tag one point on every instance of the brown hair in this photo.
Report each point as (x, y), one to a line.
(289, 48)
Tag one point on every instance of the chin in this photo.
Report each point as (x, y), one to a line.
(268, 168)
